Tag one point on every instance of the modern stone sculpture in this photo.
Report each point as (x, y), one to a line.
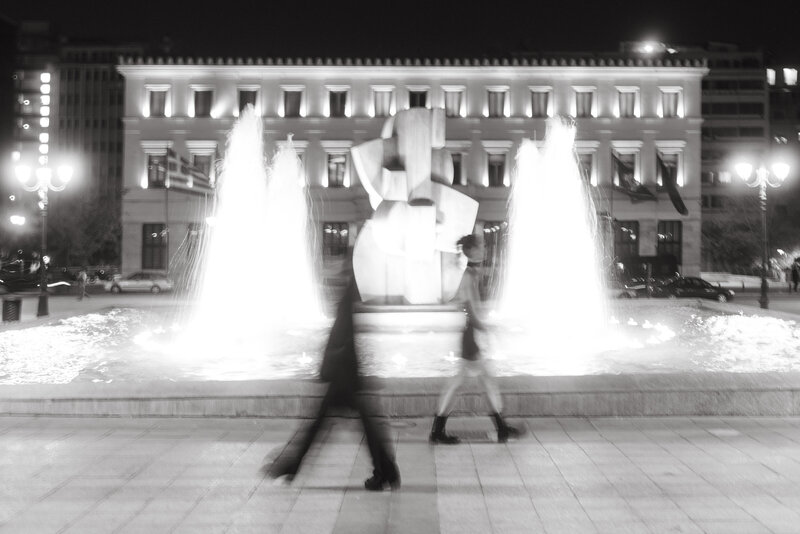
(405, 254)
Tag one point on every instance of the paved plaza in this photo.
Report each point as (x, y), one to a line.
(567, 475)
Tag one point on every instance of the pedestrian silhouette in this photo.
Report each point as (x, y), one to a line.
(83, 277)
(472, 360)
(340, 369)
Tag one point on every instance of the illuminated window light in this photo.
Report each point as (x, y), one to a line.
(15, 155)
(44, 137)
(44, 148)
(42, 160)
(143, 181)
(790, 76)
(44, 122)
(46, 100)
(771, 76)
(44, 111)
(45, 89)
(45, 77)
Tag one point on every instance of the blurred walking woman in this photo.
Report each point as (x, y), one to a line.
(472, 361)
(340, 369)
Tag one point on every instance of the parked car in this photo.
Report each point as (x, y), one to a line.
(639, 285)
(692, 287)
(14, 281)
(141, 281)
(618, 290)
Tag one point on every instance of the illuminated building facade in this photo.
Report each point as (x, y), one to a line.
(635, 118)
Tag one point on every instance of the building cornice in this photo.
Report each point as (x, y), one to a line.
(554, 61)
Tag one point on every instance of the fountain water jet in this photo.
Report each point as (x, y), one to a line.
(260, 227)
(552, 291)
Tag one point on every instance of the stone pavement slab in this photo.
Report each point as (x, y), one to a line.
(571, 475)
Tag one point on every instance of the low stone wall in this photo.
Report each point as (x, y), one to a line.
(768, 394)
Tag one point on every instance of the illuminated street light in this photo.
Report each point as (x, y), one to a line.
(761, 178)
(44, 181)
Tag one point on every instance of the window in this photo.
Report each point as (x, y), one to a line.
(458, 172)
(203, 162)
(156, 171)
(494, 238)
(382, 101)
(202, 102)
(496, 168)
(669, 163)
(337, 100)
(158, 103)
(292, 100)
(337, 170)
(540, 102)
(247, 97)
(626, 240)
(670, 236)
(625, 159)
(790, 76)
(670, 100)
(417, 98)
(154, 246)
(453, 101)
(496, 102)
(771, 76)
(752, 131)
(584, 103)
(666, 168)
(751, 108)
(627, 102)
(335, 238)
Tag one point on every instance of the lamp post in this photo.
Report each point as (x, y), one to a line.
(761, 179)
(43, 183)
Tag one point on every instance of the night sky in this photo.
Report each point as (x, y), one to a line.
(412, 28)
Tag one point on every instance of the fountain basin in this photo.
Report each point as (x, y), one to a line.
(674, 394)
(723, 360)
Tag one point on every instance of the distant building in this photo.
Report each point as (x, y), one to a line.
(784, 105)
(636, 120)
(68, 104)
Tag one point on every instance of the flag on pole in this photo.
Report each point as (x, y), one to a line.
(625, 181)
(182, 175)
(669, 180)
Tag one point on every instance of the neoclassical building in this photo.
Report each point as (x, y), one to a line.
(638, 122)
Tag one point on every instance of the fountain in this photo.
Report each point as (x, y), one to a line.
(405, 264)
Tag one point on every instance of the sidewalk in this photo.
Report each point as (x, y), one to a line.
(567, 475)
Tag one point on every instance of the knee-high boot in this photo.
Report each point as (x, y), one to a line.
(438, 434)
(504, 430)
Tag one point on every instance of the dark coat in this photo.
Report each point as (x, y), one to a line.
(340, 361)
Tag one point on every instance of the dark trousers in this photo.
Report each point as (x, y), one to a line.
(383, 464)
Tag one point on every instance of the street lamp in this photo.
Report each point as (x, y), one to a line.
(44, 181)
(761, 179)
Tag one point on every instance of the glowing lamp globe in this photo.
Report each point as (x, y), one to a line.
(64, 173)
(23, 173)
(780, 170)
(744, 170)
